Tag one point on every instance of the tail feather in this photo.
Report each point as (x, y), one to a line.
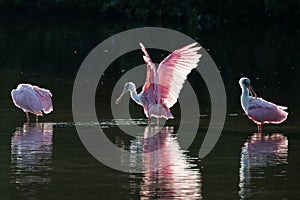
(160, 111)
(282, 107)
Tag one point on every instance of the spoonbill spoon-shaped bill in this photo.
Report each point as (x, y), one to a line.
(259, 110)
(162, 87)
(32, 99)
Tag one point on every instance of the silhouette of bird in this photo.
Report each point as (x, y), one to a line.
(259, 110)
(163, 85)
(32, 99)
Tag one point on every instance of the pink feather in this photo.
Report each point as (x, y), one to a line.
(32, 99)
(162, 86)
(262, 111)
(173, 71)
(259, 110)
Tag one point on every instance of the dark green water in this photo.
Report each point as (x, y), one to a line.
(48, 160)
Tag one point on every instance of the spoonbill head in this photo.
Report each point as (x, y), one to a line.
(129, 87)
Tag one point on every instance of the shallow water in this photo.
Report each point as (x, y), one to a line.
(47, 160)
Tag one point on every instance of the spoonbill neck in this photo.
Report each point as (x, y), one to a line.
(245, 91)
(134, 95)
(245, 99)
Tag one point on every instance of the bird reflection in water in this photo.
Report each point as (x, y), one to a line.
(261, 153)
(31, 156)
(168, 172)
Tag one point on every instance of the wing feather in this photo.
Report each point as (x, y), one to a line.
(173, 70)
(151, 85)
(44, 96)
(32, 99)
(261, 103)
(25, 98)
(262, 111)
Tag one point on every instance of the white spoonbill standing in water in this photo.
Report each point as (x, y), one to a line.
(33, 99)
(163, 85)
(259, 110)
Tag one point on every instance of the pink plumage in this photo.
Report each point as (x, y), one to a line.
(32, 99)
(45, 98)
(162, 86)
(173, 71)
(259, 110)
(262, 111)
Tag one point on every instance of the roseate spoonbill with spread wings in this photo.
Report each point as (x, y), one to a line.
(163, 85)
(259, 110)
(33, 99)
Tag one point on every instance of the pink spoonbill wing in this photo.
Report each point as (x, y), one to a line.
(32, 99)
(263, 111)
(173, 71)
(152, 82)
(27, 101)
(45, 98)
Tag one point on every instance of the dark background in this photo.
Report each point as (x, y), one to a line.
(44, 43)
